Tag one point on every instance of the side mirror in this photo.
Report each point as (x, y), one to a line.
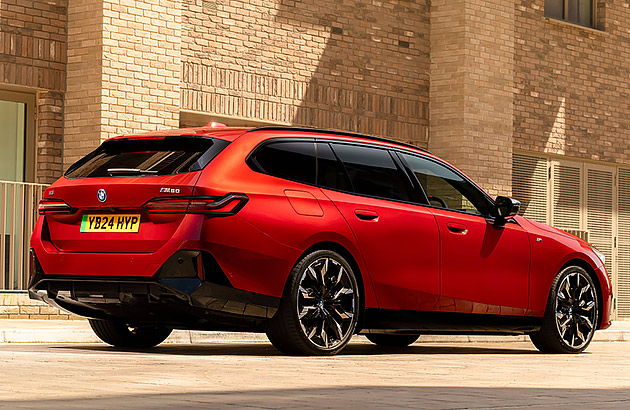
(506, 208)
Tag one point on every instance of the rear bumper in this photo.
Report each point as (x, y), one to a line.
(184, 302)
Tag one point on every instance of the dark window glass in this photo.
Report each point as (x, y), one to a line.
(289, 160)
(330, 172)
(147, 156)
(554, 9)
(373, 172)
(447, 189)
(574, 11)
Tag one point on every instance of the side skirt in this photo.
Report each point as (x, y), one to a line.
(409, 321)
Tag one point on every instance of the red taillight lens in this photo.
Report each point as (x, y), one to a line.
(216, 206)
(53, 206)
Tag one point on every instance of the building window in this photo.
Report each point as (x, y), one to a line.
(574, 11)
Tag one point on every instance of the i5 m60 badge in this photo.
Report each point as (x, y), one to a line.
(110, 223)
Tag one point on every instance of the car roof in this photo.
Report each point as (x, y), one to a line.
(224, 133)
(353, 136)
(232, 133)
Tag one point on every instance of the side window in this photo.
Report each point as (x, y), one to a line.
(330, 172)
(289, 160)
(447, 189)
(373, 172)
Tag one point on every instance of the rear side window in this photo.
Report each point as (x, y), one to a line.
(294, 160)
(330, 172)
(373, 172)
(147, 156)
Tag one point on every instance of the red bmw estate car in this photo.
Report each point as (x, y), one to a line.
(308, 235)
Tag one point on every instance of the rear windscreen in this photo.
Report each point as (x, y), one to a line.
(147, 156)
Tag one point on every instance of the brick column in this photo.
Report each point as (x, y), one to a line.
(124, 70)
(471, 93)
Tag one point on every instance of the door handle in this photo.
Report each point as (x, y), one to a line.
(365, 215)
(457, 228)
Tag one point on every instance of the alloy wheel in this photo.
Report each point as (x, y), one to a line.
(326, 303)
(575, 310)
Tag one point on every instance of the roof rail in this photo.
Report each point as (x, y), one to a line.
(334, 132)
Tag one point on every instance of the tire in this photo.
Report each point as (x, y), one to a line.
(571, 315)
(319, 309)
(117, 333)
(391, 340)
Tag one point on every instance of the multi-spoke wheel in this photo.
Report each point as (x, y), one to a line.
(119, 334)
(571, 315)
(319, 309)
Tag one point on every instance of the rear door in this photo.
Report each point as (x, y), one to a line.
(107, 189)
(397, 237)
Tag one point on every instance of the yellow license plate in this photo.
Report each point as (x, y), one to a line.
(110, 223)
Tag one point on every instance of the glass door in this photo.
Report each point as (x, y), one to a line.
(12, 140)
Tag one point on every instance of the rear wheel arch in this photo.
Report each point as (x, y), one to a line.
(598, 286)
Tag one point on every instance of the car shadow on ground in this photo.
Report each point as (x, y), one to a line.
(266, 349)
(345, 397)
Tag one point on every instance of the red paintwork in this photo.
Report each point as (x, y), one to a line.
(409, 256)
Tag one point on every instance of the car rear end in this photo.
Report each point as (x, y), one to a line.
(119, 235)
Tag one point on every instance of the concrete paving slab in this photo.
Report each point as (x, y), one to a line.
(364, 376)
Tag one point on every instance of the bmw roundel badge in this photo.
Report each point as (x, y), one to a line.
(101, 195)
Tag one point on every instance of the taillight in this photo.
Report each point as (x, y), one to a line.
(54, 206)
(208, 205)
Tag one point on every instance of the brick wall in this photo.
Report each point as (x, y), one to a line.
(572, 85)
(471, 94)
(124, 72)
(16, 305)
(360, 66)
(33, 57)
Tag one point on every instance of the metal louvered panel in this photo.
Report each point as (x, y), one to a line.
(599, 212)
(623, 245)
(529, 185)
(566, 197)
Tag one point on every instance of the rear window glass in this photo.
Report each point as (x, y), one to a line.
(373, 172)
(289, 160)
(139, 157)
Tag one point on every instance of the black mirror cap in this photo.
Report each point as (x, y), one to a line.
(506, 208)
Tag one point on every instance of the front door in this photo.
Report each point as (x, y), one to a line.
(484, 267)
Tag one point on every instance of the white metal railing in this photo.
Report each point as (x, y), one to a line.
(18, 214)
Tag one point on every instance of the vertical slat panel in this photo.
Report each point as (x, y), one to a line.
(599, 212)
(11, 223)
(29, 198)
(19, 237)
(566, 196)
(529, 185)
(623, 244)
(18, 214)
(3, 249)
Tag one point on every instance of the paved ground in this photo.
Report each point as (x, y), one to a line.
(78, 331)
(254, 375)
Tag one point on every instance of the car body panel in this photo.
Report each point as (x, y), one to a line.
(490, 273)
(408, 258)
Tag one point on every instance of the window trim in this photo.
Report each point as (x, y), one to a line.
(565, 16)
